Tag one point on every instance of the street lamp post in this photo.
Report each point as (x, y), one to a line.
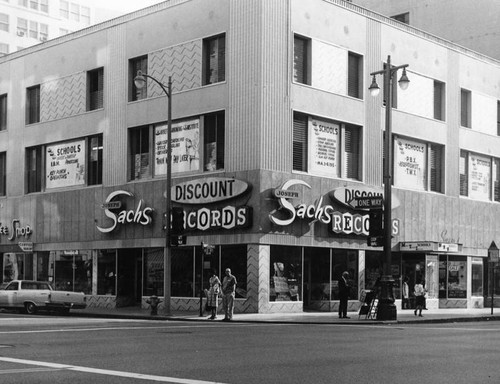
(140, 82)
(386, 307)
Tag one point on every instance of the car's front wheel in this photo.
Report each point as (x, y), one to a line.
(30, 308)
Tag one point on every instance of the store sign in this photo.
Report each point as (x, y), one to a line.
(208, 190)
(65, 164)
(346, 223)
(225, 218)
(26, 246)
(139, 215)
(428, 246)
(15, 230)
(349, 195)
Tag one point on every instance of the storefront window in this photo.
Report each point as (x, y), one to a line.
(285, 273)
(374, 269)
(316, 274)
(452, 277)
(106, 272)
(153, 271)
(73, 270)
(42, 267)
(431, 276)
(182, 273)
(344, 260)
(17, 266)
(235, 258)
(477, 276)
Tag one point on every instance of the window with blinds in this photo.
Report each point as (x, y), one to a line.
(214, 59)
(135, 65)
(355, 75)
(299, 142)
(3, 173)
(496, 179)
(439, 100)
(465, 108)
(213, 133)
(301, 60)
(95, 89)
(436, 168)
(33, 105)
(34, 169)
(3, 112)
(463, 169)
(352, 156)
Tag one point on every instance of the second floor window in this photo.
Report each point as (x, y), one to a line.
(479, 176)
(95, 89)
(326, 147)
(355, 75)
(33, 105)
(439, 101)
(214, 59)
(4, 22)
(465, 108)
(301, 60)
(3, 173)
(137, 64)
(3, 112)
(34, 169)
(94, 160)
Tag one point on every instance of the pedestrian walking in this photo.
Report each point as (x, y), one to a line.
(344, 291)
(213, 294)
(228, 294)
(405, 304)
(419, 292)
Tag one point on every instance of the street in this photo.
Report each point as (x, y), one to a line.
(52, 349)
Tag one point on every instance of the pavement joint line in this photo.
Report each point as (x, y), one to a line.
(106, 372)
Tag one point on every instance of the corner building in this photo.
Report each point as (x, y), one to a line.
(274, 133)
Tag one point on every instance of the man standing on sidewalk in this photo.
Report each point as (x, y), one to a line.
(228, 294)
(344, 290)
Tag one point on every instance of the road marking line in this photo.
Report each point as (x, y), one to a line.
(107, 372)
(26, 370)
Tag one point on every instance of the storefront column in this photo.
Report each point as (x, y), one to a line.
(432, 281)
(258, 278)
(361, 272)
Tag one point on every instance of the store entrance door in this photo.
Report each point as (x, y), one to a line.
(414, 270)
(129, 275)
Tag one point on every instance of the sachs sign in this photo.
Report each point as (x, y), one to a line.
(208, 190)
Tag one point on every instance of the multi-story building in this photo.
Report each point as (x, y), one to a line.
(470, 24)
(25, 23)
(273, 135)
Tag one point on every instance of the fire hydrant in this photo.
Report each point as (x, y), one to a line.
(153, 302)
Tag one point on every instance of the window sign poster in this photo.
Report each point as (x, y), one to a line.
(65, 164)
(324, 147)
(410, 163)
(479, 177)
(185, 147)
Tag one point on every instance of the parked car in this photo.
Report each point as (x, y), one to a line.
(32, 296)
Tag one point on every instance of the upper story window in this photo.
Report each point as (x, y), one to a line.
(3, 173)
(439, 100)
(95, 89)
(202, 148)
(355, 75)
(4, 49)
(74, 12)
(4, 22)
(33, 105)
(214, 59)
(418, 165)
(328, 148)
(3, 112)
(302, 60)
(403, 17)
(135, 65)
(465, 108)
(65, 164)
(22, 27)
(479, 176)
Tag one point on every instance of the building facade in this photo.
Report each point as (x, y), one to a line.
(274, 135)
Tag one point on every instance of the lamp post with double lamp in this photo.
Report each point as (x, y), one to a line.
(386, 307)
(140, 82)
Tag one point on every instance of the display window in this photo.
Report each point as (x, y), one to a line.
(285, 273)
(477, 276)
(17, 266)
(153, 271)
(452, 277)
(106, 272)
(344, 261)
(72, 270)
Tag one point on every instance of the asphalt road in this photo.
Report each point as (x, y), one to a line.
(52, 349)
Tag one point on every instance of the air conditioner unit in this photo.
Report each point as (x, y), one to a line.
(20, 33)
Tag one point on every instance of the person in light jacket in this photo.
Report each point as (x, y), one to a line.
(228, 294)
(419, 292)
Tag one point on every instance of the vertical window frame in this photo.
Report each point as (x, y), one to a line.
(3, 173)
(439, 100)
(302, 60)
(300, 142)
(140, 140)
(3, 112)
(355, 75)
(465, 108)
(34, 169)
(136, 64)
(214, 134)
(463, 170)
(214, 59)
(95, 89)
(94, 159)
(33, 104)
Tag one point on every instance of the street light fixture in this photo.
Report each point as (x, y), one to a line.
(386, 307)
(140, 82)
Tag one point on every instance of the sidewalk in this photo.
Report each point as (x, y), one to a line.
(403, 316)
